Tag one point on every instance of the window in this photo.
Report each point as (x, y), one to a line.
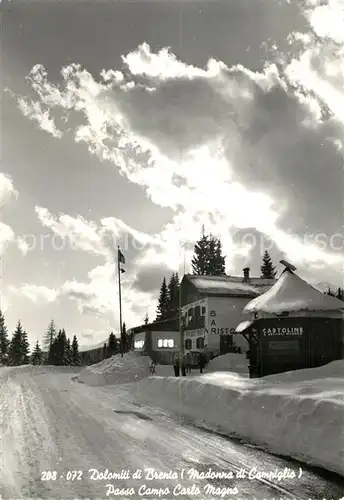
(188, 344)
(190, 313)
(200, 343)
(197, 312)
(203, 311)
(165, 343)
(138, 344)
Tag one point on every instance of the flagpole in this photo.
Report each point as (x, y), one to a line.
(120, 300)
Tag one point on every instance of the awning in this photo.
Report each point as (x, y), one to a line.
(242, 327)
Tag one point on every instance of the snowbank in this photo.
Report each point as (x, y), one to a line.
(230, 362)
(286, 414)
(116, 370)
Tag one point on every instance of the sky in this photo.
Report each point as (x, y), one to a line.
(134, 123)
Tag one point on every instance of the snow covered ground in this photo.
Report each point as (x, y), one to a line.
(298, 414)
(61, 439)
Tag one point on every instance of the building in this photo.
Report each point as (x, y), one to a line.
(159, 340)
(212, 308)
(292, 326)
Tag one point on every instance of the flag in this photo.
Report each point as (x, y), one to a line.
(121, 258)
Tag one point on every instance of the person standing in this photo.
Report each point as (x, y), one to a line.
(202, 361)
(188, 362)
(183, 366)
(176, 365)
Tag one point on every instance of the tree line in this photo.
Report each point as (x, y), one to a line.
(57, 349)
(208, 260)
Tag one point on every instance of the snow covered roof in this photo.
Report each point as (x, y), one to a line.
(243, 326)
(230, 285)
(291, 293)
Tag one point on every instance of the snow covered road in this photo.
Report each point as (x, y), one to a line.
(48, 422)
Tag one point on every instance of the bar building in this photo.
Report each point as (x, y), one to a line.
(211, 310)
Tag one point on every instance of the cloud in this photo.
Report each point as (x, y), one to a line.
(35, 293)
(7, 235)
(7, 189)
(34, 111)
(224, 146)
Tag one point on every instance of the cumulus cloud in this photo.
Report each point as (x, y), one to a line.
(224, 146)
(7, 235)
(36, 293)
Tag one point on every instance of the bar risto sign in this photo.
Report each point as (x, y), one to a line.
(297, 331)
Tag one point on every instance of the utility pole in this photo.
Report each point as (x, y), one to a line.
(181, 325)
(120, 259)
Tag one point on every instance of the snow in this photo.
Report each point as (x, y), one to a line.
(298, 414)
(51, 423)
(243, 326)
(237, 363)
(226, 285)
(291, 293)
(116, 370)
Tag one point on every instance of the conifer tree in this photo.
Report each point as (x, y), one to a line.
(162, 310)
(18, 352)
(146, 320)
(112, 345)
(200, 260)
(49, 338)
(124, 338)
(37, 355)
(75, 352)
(68, 358)
(25, 349)
(216, 261)
(173, 296)
(4, 341)
(267, 269)
(340, 294)
(104, 351)
(329, 292)
(57, 349)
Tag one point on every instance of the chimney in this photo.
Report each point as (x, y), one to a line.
(246, 274)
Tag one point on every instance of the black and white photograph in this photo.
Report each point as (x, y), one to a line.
(172, 250)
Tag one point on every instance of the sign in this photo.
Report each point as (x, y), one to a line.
(198, 332)
(222, 331)
(214, 330)
(289, 331)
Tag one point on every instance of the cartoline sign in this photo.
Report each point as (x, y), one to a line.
(215, 330)
(289, 331)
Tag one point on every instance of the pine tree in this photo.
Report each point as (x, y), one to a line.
(18, 352)
(112, 345)
(267, 269)
(146, 320)
(215, 260)
(25, 349)
(57, 349)
(104, 351)
(340, 294)
(49, 336)
(124, 338)
(37, 355)
(4, 341)
(68, 358)
(329, 292)
(200, 260)
(75, 352)
(162, 310)
(173, 296)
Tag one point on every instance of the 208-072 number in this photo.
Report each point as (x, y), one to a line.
(71, 475)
